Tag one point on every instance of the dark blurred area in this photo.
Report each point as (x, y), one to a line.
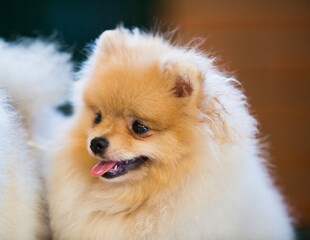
(266, 43)
(72, 22)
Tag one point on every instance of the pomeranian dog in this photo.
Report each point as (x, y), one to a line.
(34, 78)
(161, 146)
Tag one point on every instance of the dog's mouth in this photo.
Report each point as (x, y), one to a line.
(113, 169)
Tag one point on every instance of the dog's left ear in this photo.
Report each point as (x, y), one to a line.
(186, 80)
(110, 41)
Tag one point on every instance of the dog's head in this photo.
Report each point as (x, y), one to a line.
(142, 106)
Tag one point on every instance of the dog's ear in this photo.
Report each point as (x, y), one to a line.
(188, 86)
(186, 80)
(110, 41)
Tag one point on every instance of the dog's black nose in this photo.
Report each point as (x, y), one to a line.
(98, 145)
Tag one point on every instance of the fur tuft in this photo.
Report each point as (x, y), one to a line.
(35, 74)
(34, 79)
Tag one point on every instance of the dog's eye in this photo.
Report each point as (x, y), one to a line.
(139, 128)
(98, 118)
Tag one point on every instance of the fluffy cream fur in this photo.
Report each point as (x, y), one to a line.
(34, 79)
(204, 178)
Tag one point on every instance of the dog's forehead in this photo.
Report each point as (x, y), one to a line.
(132, 90)
(122, 81)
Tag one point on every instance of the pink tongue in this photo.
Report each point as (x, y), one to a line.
(101, 168)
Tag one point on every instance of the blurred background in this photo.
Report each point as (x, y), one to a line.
(264, 43)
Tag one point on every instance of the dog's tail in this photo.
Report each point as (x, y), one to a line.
(37, 76)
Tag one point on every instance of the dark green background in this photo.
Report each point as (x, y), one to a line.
(72, 22)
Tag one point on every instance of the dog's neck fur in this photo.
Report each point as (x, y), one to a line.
(127, 197)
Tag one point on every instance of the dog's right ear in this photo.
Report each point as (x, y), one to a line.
(110, 41)
(186, 80)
